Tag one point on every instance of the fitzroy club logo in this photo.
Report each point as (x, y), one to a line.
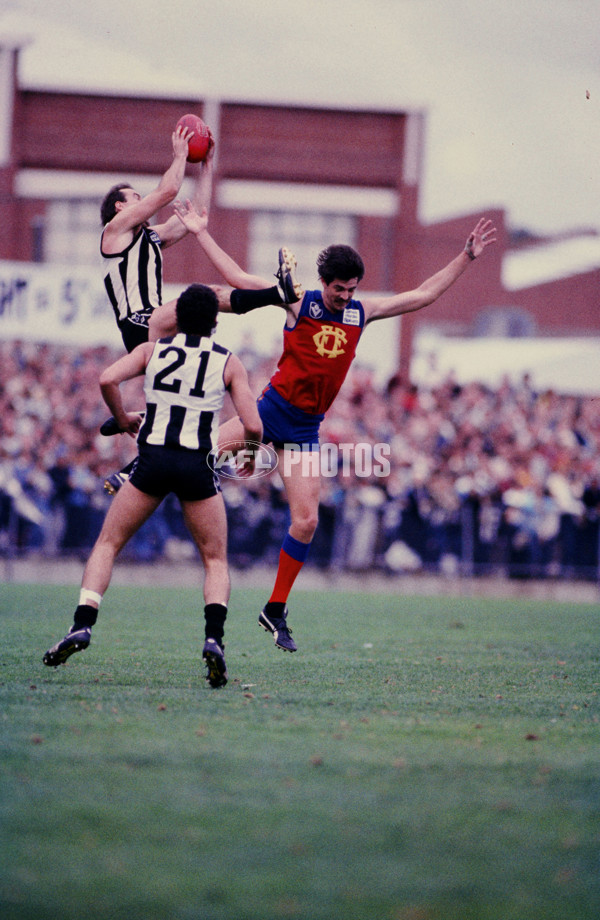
(329, 341)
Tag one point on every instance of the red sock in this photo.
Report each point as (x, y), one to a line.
(288, 568)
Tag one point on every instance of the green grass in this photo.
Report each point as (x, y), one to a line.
(417, 759)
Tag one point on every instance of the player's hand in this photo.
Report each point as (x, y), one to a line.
(180, 140)
(245, 462)
(189, 216)
(211, 149)
(483, 235)
(132, 424)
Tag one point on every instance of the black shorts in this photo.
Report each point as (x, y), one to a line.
(186, 473)
(134, 330)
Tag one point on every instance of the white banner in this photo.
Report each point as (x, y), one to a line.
(52, 303)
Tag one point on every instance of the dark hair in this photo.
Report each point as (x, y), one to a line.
(107, 208)
(339, 261)
(196, 310)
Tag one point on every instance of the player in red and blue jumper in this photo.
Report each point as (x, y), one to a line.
(320, 337)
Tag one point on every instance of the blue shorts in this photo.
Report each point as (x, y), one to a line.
(284, 424)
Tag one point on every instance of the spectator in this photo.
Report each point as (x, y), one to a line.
(459, 454)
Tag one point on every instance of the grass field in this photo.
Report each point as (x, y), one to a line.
(417, 759)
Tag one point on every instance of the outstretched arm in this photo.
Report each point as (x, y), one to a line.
(234, 275)
(482, 236)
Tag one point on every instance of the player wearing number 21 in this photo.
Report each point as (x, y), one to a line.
(321, 333)
(186, 377)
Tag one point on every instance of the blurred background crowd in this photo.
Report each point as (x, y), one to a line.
(482, 480)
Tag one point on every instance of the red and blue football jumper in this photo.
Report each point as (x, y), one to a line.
(317, 353)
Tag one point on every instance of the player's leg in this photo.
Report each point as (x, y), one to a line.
(130, 509)
(301, 475)
(258, 292)
(300, 472)
(206, 521)
(113, 483)
(289, 286)
(133, 334)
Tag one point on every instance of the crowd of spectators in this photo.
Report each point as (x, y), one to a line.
(480, 479)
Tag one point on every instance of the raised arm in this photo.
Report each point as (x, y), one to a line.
(233, 274)
(173, 229)
(117, 233)
(482, 236)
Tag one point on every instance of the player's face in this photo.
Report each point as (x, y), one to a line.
(338, 294)
(130, 195)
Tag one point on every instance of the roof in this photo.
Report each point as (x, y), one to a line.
(550, 261)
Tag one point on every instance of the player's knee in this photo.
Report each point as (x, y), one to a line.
(305, 523)
(110, 543)
(214, 555)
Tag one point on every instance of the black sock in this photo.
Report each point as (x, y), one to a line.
(214, 622)
(275, 609)
(85, 616)
(244, 301)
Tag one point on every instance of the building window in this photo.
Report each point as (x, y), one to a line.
(306, 234)
(72, 232)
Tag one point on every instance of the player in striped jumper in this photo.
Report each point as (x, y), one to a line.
(320, 336)
(131, 252)
(186, 377)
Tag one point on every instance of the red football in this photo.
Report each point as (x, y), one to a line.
(200, 141)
